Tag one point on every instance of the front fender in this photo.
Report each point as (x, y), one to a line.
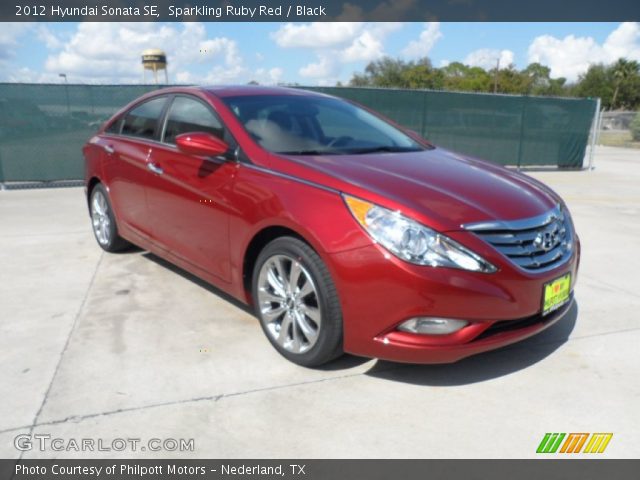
(263, 199)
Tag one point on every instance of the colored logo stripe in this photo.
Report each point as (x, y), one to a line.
(550, 443)
(574, 442)
(598, 442)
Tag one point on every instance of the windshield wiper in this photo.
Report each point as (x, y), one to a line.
(312, 152)
(383, 148)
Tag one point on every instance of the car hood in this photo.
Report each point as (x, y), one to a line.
(443, 189)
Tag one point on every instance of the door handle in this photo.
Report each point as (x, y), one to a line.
(155, 168)
(109, 149)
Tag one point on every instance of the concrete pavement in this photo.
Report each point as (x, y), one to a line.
(105, 346)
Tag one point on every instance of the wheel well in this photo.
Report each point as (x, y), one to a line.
(258, 242)
(92, 183)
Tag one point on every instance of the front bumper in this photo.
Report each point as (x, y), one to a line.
(378, 292)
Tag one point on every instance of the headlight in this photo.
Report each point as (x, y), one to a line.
(413, 242)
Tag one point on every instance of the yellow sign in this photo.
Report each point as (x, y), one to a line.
(556, 293)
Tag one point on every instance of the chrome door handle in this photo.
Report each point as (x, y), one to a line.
(155, 168)
(109, 149)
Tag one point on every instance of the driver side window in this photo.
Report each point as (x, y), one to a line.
(188, 115)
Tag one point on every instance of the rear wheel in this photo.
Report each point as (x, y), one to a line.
(297, 303)
(104, 223)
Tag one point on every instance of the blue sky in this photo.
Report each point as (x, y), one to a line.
(308, 54)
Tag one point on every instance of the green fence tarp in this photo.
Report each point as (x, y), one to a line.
(506, 129)
(43, 126)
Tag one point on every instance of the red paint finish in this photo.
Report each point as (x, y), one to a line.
(202, 214)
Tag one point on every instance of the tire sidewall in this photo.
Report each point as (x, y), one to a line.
(329, 343)
(113, 230)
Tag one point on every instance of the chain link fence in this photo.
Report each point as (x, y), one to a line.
(619, 129)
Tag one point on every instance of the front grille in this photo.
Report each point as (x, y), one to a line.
(535, 244)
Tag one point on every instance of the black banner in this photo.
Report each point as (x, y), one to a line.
(318, 10)
(547, 469)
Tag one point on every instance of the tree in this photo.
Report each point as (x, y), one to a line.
(622, 71)
(398, 73)
(386, 72)
(618, 85)
(539, 82)
(511, 80)
(596, 82)
(466, 79)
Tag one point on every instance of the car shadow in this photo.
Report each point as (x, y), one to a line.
(485, 366)
(477, 368)
(198, 281)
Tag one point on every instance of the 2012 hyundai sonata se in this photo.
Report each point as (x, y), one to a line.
(345, 232)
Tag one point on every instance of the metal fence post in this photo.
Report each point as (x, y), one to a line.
(2, 185)
(599, 129)
(594, 133)
(423, 120)
(523, 113)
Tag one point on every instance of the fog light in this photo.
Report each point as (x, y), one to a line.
(432, 326)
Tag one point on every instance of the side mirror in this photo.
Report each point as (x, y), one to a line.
(201, 144)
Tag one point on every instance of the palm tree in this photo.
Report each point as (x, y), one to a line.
(622, 70)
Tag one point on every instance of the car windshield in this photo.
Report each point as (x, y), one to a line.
(316, 125)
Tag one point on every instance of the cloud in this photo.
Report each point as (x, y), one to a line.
(571, 56)
(271, 76)
(23, 75)
(110, 53)
(10, 33)
(316, 34)
(324, 67)
(486, 58)
(422, 46)
(50, 40)
(369, 44)
(335, 44)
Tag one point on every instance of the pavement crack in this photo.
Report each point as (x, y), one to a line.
(208, 398)
(64, 348)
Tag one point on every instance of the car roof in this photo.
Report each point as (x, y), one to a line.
(241, 90)
(246, 90)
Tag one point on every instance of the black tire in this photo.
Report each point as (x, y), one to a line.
(328, 337)
(106, 233)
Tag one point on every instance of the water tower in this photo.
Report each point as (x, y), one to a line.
(154, 60)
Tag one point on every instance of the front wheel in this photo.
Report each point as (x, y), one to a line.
(104, 222)
(297, 303)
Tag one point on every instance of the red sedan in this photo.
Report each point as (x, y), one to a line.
(346, 232)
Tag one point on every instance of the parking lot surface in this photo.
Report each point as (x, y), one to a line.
(125, 346)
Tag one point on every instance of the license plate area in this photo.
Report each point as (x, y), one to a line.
(556, 293)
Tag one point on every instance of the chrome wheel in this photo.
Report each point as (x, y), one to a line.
(100, 218)
(289, 304)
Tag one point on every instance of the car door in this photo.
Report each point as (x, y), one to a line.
(127, 146)
(189, 196)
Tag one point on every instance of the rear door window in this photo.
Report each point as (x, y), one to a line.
(142, 121)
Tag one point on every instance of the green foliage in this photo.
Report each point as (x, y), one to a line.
(635, 128)
(618, 84)
(596, 82)
(397, 73)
